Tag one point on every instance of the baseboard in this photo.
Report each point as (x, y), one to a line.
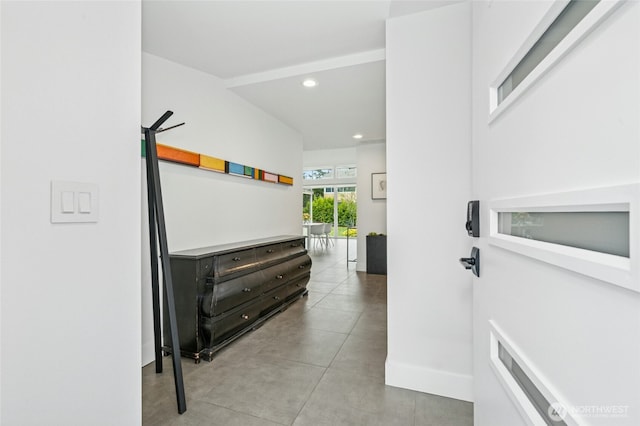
(436, 382)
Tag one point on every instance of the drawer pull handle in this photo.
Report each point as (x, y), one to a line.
(302, 266)
(276, 297)
(246, 289)
(270, 251)
(235, 259)
(245, 317)
(279, 277)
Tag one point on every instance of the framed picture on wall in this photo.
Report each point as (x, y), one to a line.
(378, 186)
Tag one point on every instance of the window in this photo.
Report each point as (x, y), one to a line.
(570, 16)
(339, 172)
(604, 232)
(346, 171)
(547, 411)
(314, 174)
(347, 189)
(591, 231)
(526, 387)
(332, 204)
(565, 25)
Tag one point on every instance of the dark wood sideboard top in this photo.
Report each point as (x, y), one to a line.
(201, 252)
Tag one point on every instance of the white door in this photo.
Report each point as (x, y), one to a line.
(567, 319)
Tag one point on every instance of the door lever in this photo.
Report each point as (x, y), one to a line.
(472, 262)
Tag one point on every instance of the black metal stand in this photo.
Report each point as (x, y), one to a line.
(349, 228)
(156, 222)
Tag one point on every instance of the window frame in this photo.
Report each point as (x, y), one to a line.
(589, 23)
(312, 169)
(616, 270)
(334, 172)
(524, 405)
(348, 167)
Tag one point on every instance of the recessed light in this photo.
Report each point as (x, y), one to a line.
(357, 136)
(309, 82)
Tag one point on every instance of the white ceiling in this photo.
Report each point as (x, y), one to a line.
(264, 49)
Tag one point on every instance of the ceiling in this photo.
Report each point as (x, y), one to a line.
(262, 50)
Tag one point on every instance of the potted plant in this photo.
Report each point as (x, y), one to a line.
(376, 253)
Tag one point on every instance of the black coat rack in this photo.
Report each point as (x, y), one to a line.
(156, 222)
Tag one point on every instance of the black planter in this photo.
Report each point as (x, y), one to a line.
(377, 254)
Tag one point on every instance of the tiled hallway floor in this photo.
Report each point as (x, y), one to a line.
(320, 362)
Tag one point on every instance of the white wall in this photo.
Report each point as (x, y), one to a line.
(330, 157)
(428, 166)
(1, 135)
(70, 292)
(204, 208)
(372, 214)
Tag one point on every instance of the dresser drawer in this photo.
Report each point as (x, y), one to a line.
(238, 261)
(224, 296)
(277, 297)
(270, 253)
(283, 294)
(302, 267)
(275, 252)
(293, 248)
(277, 275)
(215, 330)
(274, 276)
(298, 286)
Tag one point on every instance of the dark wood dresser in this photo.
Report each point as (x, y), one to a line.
(224, 291)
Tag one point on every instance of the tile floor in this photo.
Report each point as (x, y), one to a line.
(320, 362)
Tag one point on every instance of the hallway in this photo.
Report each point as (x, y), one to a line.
(320, 362)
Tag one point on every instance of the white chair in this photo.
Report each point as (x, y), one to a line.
(317, 233)
(327, 231)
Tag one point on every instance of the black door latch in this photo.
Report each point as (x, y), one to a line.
(472, 262)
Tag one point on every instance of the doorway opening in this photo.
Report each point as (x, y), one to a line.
(334, 204)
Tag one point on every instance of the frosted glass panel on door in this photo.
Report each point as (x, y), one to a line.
(605, 232)
(546, 410)
(572, 14)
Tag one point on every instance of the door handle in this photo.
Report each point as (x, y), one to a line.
(472, 262)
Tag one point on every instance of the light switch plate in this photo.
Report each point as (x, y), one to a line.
(74, 202)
